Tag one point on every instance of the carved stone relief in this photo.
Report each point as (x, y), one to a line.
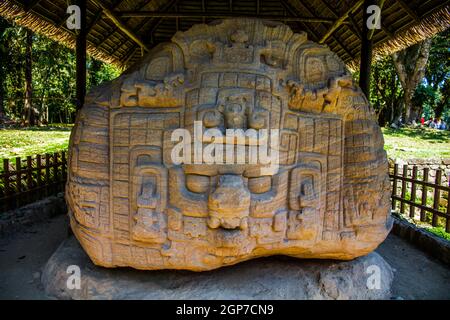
(130, 204)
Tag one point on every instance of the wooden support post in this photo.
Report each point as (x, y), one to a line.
(81, 55)
(412, 208)
(394, 187)
(423, 216)
(404, 185)
(39, 175)
(18, 182)
(366, 52)
(437, 197)
(447, 222)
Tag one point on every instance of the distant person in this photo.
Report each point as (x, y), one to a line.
(433, 123)
(441, 125)
(422, 121)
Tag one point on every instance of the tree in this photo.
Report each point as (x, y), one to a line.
(37, 77)
(3, 67)
(410, 64)
(30, 116)
(437, 73)
(386, 92)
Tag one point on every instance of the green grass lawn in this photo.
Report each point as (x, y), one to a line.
(404, 143)
(423, 143)
(22, 142)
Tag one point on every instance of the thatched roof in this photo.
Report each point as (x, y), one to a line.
(404, 22)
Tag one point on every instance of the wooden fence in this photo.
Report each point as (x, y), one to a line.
(423, 200)
(27, 180)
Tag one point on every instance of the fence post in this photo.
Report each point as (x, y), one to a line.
(18, 172)
(437, 196)
(47, 174)
(55, 172)
(423, 216)
(39, 175)
(447, 218)
(64, 167)
(6, 182)
(394, 186)
(29, 178)
(412, 208)
(405, 175)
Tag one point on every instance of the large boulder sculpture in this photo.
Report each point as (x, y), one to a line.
(326, 194)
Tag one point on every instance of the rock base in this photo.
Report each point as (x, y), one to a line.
(368, 277)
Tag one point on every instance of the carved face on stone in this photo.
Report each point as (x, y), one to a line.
(327, 195)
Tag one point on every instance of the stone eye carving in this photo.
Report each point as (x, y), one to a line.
(212, 119)
(197, 183)
(234, 114)
(260, 184)
(257, 120)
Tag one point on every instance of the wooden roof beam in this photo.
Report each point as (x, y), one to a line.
(408, 10)
(293, 12)
(341, 20)
(155, 14)
(154, 25)
(124, 28)
(31, 4)
(94, 21)
(352, 27)
(335, 38)
(355, 26)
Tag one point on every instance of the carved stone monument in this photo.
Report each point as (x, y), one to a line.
(327, 195)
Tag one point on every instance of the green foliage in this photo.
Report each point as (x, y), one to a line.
(53, 71)
(440, 232)
(432, 96)
(385, 90)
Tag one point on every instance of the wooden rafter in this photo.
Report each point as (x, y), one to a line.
(155, 14)
(335, 38)
(31, 4)
(94, 21)
(354, 29)
(118, 22)
(408, 10)
(341, 20)
(354, 24)
(156, 22)
(293, 12)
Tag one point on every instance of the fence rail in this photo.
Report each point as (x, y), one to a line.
(29, 179)
(32, 178)
(425, 200)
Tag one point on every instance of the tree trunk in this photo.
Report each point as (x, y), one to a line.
(410, 65)
(28, 106)
(3, 51)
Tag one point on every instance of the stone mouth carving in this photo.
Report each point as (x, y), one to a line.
(131, 204)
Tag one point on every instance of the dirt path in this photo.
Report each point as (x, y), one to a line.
(23, 255)
(417, 276)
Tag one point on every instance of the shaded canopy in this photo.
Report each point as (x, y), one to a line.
(120, 31)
